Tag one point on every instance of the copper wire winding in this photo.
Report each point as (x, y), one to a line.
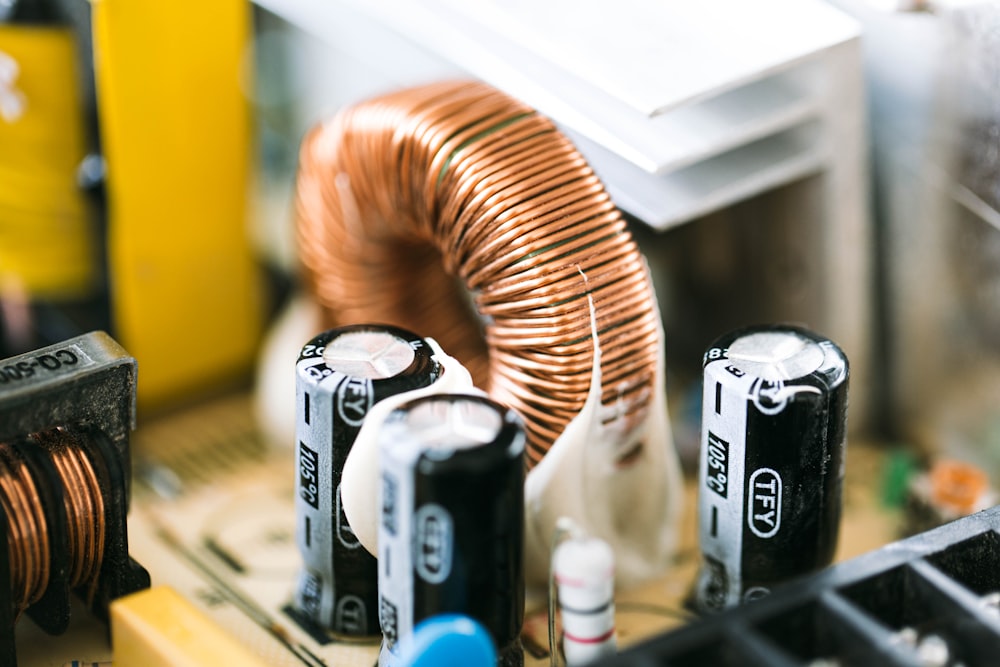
(84, 508)
(28, 530)
(28, 537)
(401, 198)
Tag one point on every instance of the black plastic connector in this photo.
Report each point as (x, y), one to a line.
(924, 600)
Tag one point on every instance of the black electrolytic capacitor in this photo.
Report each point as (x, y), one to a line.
(451, 534)
(340, 375)
(772, 460)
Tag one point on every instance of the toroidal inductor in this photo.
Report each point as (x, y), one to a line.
(405, 199)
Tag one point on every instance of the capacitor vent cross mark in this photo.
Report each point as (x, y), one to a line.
(65, 413)
(399, 196)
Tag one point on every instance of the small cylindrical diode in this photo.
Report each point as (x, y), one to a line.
(584, 572)
(451, 532)
(774, 418)
(340, 375)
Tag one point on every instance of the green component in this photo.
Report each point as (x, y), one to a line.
(900, 467)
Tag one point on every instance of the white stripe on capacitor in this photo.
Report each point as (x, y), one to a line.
(584, 569)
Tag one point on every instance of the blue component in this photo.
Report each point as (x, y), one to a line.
(448, 640)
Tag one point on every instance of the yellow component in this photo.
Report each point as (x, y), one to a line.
(46, 236)
(159, 628)
(176, 128)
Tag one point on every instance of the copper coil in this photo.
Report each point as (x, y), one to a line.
(411, 203)
(84, 506)
(27, 532)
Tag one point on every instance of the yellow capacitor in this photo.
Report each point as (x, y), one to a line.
(47, 242)
(159, 628)
(176, 128)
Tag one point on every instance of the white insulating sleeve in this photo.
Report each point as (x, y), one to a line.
(274, 393)
(635, 507)
(360, 478)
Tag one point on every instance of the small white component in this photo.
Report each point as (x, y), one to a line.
(585, 580)
(932, 651)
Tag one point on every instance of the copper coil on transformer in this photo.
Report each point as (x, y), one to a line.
(84, 505)
(411, 205)
(29, 532)
(28, 536)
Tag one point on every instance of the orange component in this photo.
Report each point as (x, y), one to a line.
(957, 485)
